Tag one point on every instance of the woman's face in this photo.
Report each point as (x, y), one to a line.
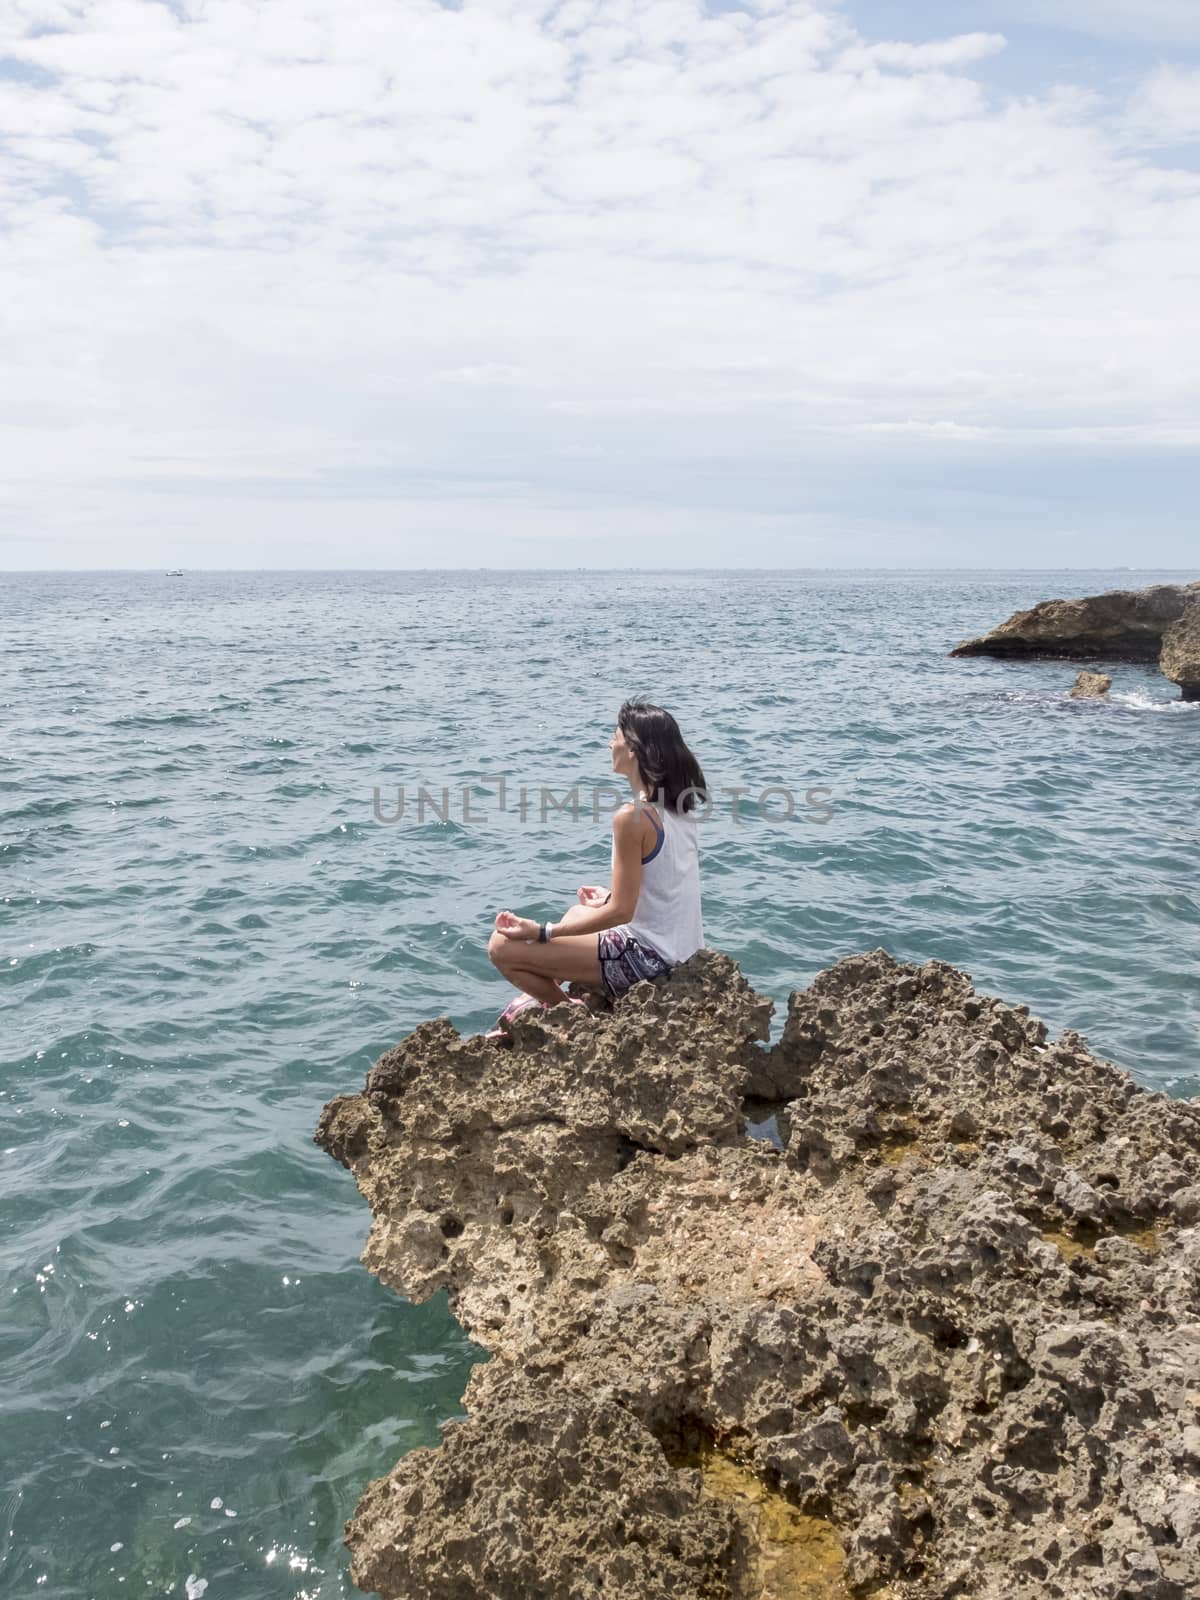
(622, 755)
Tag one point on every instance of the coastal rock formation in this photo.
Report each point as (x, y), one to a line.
(1091, 686)
(1180, 658)
(1122, 625)
(939, 1337)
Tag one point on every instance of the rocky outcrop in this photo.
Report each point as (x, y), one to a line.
(939, 1338)
(1180, 658)
(1090, 686)
(1122, 625)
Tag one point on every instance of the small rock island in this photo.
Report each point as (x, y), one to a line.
(1160, 624)
(906, 1305)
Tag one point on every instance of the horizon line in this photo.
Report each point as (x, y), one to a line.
(16, 572)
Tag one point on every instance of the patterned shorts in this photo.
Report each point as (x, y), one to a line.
(623, 961)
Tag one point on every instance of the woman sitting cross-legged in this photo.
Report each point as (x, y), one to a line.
(649, 920)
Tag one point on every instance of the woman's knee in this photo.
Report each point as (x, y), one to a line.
(498, 949)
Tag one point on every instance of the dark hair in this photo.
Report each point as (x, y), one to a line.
(665, 762)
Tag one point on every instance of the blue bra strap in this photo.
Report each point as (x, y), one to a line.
(662, 834)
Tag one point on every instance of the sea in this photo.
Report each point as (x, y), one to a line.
(217, 910)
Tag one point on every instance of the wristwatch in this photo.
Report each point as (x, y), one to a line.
(544, 933)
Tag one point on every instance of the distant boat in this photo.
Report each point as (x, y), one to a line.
(175, 572)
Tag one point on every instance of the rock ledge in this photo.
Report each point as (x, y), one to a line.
(952, 1317)
(1160, 624)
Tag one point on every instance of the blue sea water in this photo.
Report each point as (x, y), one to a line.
(205, 933)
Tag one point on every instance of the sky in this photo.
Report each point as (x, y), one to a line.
(605, 283)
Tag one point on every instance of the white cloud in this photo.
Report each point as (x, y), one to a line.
(493, 374)
(1166, 108)
(929, 430)
(287, 243)
(962, 51)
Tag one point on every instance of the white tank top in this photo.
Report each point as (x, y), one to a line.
(667, 917)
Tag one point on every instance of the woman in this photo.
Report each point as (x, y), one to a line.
(649, 920)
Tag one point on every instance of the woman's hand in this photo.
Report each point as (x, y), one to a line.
(516, 927)
(590, 896)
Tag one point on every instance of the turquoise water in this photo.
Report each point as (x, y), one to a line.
(205, 933)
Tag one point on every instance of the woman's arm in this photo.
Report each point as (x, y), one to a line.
(573, 915)
(628, 827)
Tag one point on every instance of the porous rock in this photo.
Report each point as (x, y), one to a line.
(1180, 656)
(954, 1310)
(1091, 686)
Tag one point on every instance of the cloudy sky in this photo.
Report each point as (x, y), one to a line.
(392, 283)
